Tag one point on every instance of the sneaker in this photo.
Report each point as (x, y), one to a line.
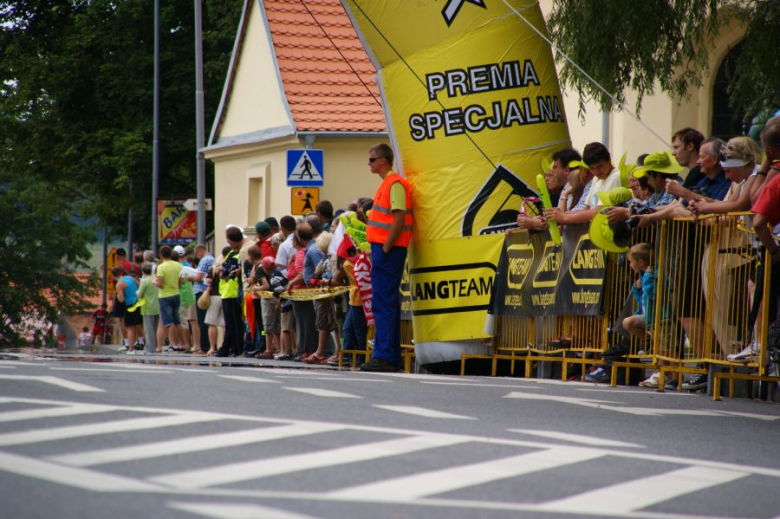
(671, 384)
(746, 355)
(130, 352)
(284, 356)
(123, 349)
(619, 350)
(696, 382)
(380, 366)
(651, 381)
(600, 374)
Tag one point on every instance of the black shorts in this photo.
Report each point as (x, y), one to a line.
(119, 309)
(134, 318)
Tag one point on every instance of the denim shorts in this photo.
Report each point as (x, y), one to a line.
(169, 310)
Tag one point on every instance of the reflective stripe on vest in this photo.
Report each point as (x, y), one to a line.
(228, 288)
(380, 219)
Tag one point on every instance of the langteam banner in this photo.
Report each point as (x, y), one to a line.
(472, 102)
(537, 277)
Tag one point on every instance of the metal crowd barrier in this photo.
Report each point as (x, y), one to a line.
(706, 274)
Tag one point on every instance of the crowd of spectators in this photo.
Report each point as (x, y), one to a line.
(698, 177)
(185, 301)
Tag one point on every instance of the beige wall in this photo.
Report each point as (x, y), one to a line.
(256, 101)
(251, 182)
(661, 113)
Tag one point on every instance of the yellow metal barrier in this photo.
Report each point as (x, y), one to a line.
(706, 269)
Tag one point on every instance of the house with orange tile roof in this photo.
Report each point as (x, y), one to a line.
(299, 78)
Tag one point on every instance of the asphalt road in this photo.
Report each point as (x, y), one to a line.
(127, 437)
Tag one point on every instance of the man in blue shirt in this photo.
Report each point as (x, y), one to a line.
(205, 262)
(714, 185)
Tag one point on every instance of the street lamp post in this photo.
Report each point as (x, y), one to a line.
(200, 122)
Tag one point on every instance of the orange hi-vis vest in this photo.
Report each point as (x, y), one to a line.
(381, 217)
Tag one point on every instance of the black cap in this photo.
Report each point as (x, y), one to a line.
(272, 222)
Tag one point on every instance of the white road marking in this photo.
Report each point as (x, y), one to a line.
(338, 379)
(56, 381)
(32, 414)
(586, 402)
(77, 431)
(577, 438)
(303, 371)
(73, 477)
(248, 470)
(639, 411)
(7, 367)
(477, 384)
(196, 444)
(421, 411)
(248, 379)
(648, 392)
(641, 493)
(322, 392)
(230, 511)
(111, 370)
(766, 418)
(447, 480)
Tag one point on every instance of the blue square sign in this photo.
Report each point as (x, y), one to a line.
(305, 168)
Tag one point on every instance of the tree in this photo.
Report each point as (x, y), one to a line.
(76, 104)
(40, 248)
(77, 96)
(639, 45)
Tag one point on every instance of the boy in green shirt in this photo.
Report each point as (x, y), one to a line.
(168, 280)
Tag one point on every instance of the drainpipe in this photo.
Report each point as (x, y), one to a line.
(605, 128)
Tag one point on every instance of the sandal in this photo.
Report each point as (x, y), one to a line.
(315, 359)
(266, 355)
(211, 353)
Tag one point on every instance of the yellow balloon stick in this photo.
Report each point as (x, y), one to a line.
(555, 233)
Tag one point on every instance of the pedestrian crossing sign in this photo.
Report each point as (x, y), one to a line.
(304, 200)
(305, 168)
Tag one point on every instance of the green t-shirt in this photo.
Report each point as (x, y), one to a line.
(187, 294)
(149, 291)
(169, 272)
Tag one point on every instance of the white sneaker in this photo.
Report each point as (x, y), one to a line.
(130, 352)
(651, 381)
(746, 355)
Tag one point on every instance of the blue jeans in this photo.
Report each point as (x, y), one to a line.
(386, 273)
(355, 329)
(169, 310)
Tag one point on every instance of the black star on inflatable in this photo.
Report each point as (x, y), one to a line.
(452, 9)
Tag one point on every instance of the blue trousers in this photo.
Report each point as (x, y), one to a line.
(386, 273)
(355, 329)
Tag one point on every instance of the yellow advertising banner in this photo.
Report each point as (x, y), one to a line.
(473, 103)
(450, 294)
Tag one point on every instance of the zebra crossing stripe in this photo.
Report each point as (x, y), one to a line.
(92, 429)
(248, 470)
(52, 412)
(232, 511)
(195, 444)
(445, 480)
(641, 493)
(73, 477)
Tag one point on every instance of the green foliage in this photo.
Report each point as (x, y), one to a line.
(664, 43)
(76, 106)
(40, 247)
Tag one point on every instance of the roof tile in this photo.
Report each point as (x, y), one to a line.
(328, 78)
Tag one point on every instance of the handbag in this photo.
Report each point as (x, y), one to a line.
(204, 300)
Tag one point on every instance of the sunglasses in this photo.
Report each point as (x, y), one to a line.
(372, 159)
